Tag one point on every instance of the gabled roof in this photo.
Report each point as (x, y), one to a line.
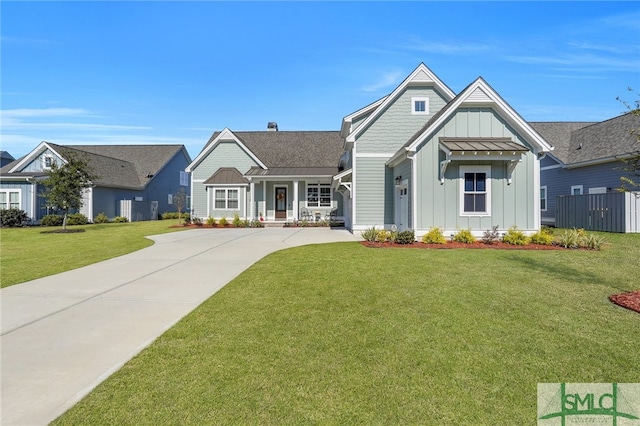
(421, 75)
(276, 149)
(120, 166)
(585, 143)
(478, 93)
(227, 176)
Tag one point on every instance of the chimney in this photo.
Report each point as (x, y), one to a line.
(272, 126)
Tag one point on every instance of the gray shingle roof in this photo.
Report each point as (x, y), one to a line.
(293, 148)
(293, 171)
(584, 142)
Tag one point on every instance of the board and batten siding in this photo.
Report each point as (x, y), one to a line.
(225, 154)
(36, 164)
(438, 205)
(396, 125)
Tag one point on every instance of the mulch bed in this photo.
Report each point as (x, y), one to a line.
(454, 245)
(629, 300)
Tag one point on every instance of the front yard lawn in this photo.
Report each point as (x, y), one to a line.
(343, 334)
(28, 254)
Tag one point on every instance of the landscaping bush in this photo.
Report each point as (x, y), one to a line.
(593, 242)
(576, 238)
(77, 219)
(464, 236)
(256, 224)
(196, 221)
(382, 236)
(569, 238)
(223, 221)
(369, 234)
(237, 222)
(434, 236)
(12, 217)
(406, 237)
(174, 215)
(51, 220)
(211, 221)
(491, 236)
(515, 236)
(120, 219)
(543, 237)
(101, 218)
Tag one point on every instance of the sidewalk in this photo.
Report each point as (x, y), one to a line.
(62, 335)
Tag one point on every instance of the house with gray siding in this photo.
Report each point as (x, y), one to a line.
(586, 159)
(420, 157)
(279, 176)
(148, 174)
(425, 157)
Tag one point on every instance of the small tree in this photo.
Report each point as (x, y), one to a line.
(180, 201)
(65, 184)
(631, 182)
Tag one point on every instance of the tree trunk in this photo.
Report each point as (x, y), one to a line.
(64, 221)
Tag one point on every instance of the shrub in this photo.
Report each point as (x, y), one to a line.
(593, 242)
(256, 224)
(196, 221)
(12, 217)
(406, 237)
(569, 238)
(368, 234)
(491, 236)
(174, 215)
(515, 236)
(543, 237)
(51, 220)
(120, 219)
(382, 236)
(77, 219)
(245, 223)
(211, 221)
(223, 221)
(464, 236)
(434, 236)
(236, 220)
(101, 218)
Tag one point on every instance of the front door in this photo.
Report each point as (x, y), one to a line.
(281, 202)
(402, 206)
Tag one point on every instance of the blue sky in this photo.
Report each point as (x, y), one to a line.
(175, 72)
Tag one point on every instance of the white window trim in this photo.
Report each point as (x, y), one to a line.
(44, 161)
(579, 187)
(8, 203)
(546, 198)
(184, 179)
(318, 185)
(476, 169)
(226, 199)
(415, 99)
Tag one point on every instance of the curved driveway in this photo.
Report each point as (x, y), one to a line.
(62, 335)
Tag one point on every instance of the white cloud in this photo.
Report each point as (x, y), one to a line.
(386, 80)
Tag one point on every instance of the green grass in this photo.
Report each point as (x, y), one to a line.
(341, 334)
(27, 253)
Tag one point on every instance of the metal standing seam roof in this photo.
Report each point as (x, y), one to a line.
(227, 176)
(293, 171)
(462, 145)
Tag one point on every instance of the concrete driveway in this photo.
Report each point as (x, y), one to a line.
(63, 335)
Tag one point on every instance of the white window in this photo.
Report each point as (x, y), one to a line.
(47, 161)
(169, 199)
(543, 198)
(184, 179)
(598, 190)
(318, 195)
(576, 190)
(226, 199)
(419, 105)
(9, 199)
(475, 190)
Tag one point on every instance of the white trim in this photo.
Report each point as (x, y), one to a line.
(226, 197)
(44, 159)
(579, 187)
(286, 199)
(422, 75)
(252, 209)
(348, 120)
(537, 218)
(319, 185)
(296, 202)
(42, 147)
(414, 191)
(598, 190)
(475, 169)
(546, 197)
(557, 166)
(225, 135)
(353, 188)
(415, 99)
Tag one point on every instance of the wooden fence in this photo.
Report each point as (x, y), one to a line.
(610, 212)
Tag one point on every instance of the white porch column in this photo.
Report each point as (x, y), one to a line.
(252, 208)
(264, 197)
(295, 200)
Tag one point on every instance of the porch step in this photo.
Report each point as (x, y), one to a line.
(273, 224)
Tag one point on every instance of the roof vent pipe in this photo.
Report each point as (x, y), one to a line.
(272, 126)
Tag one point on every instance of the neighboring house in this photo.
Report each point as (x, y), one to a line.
(424, 157)
(279, 175)
(418, 158)
(586, 159)
(142, 173)
(5, 158)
